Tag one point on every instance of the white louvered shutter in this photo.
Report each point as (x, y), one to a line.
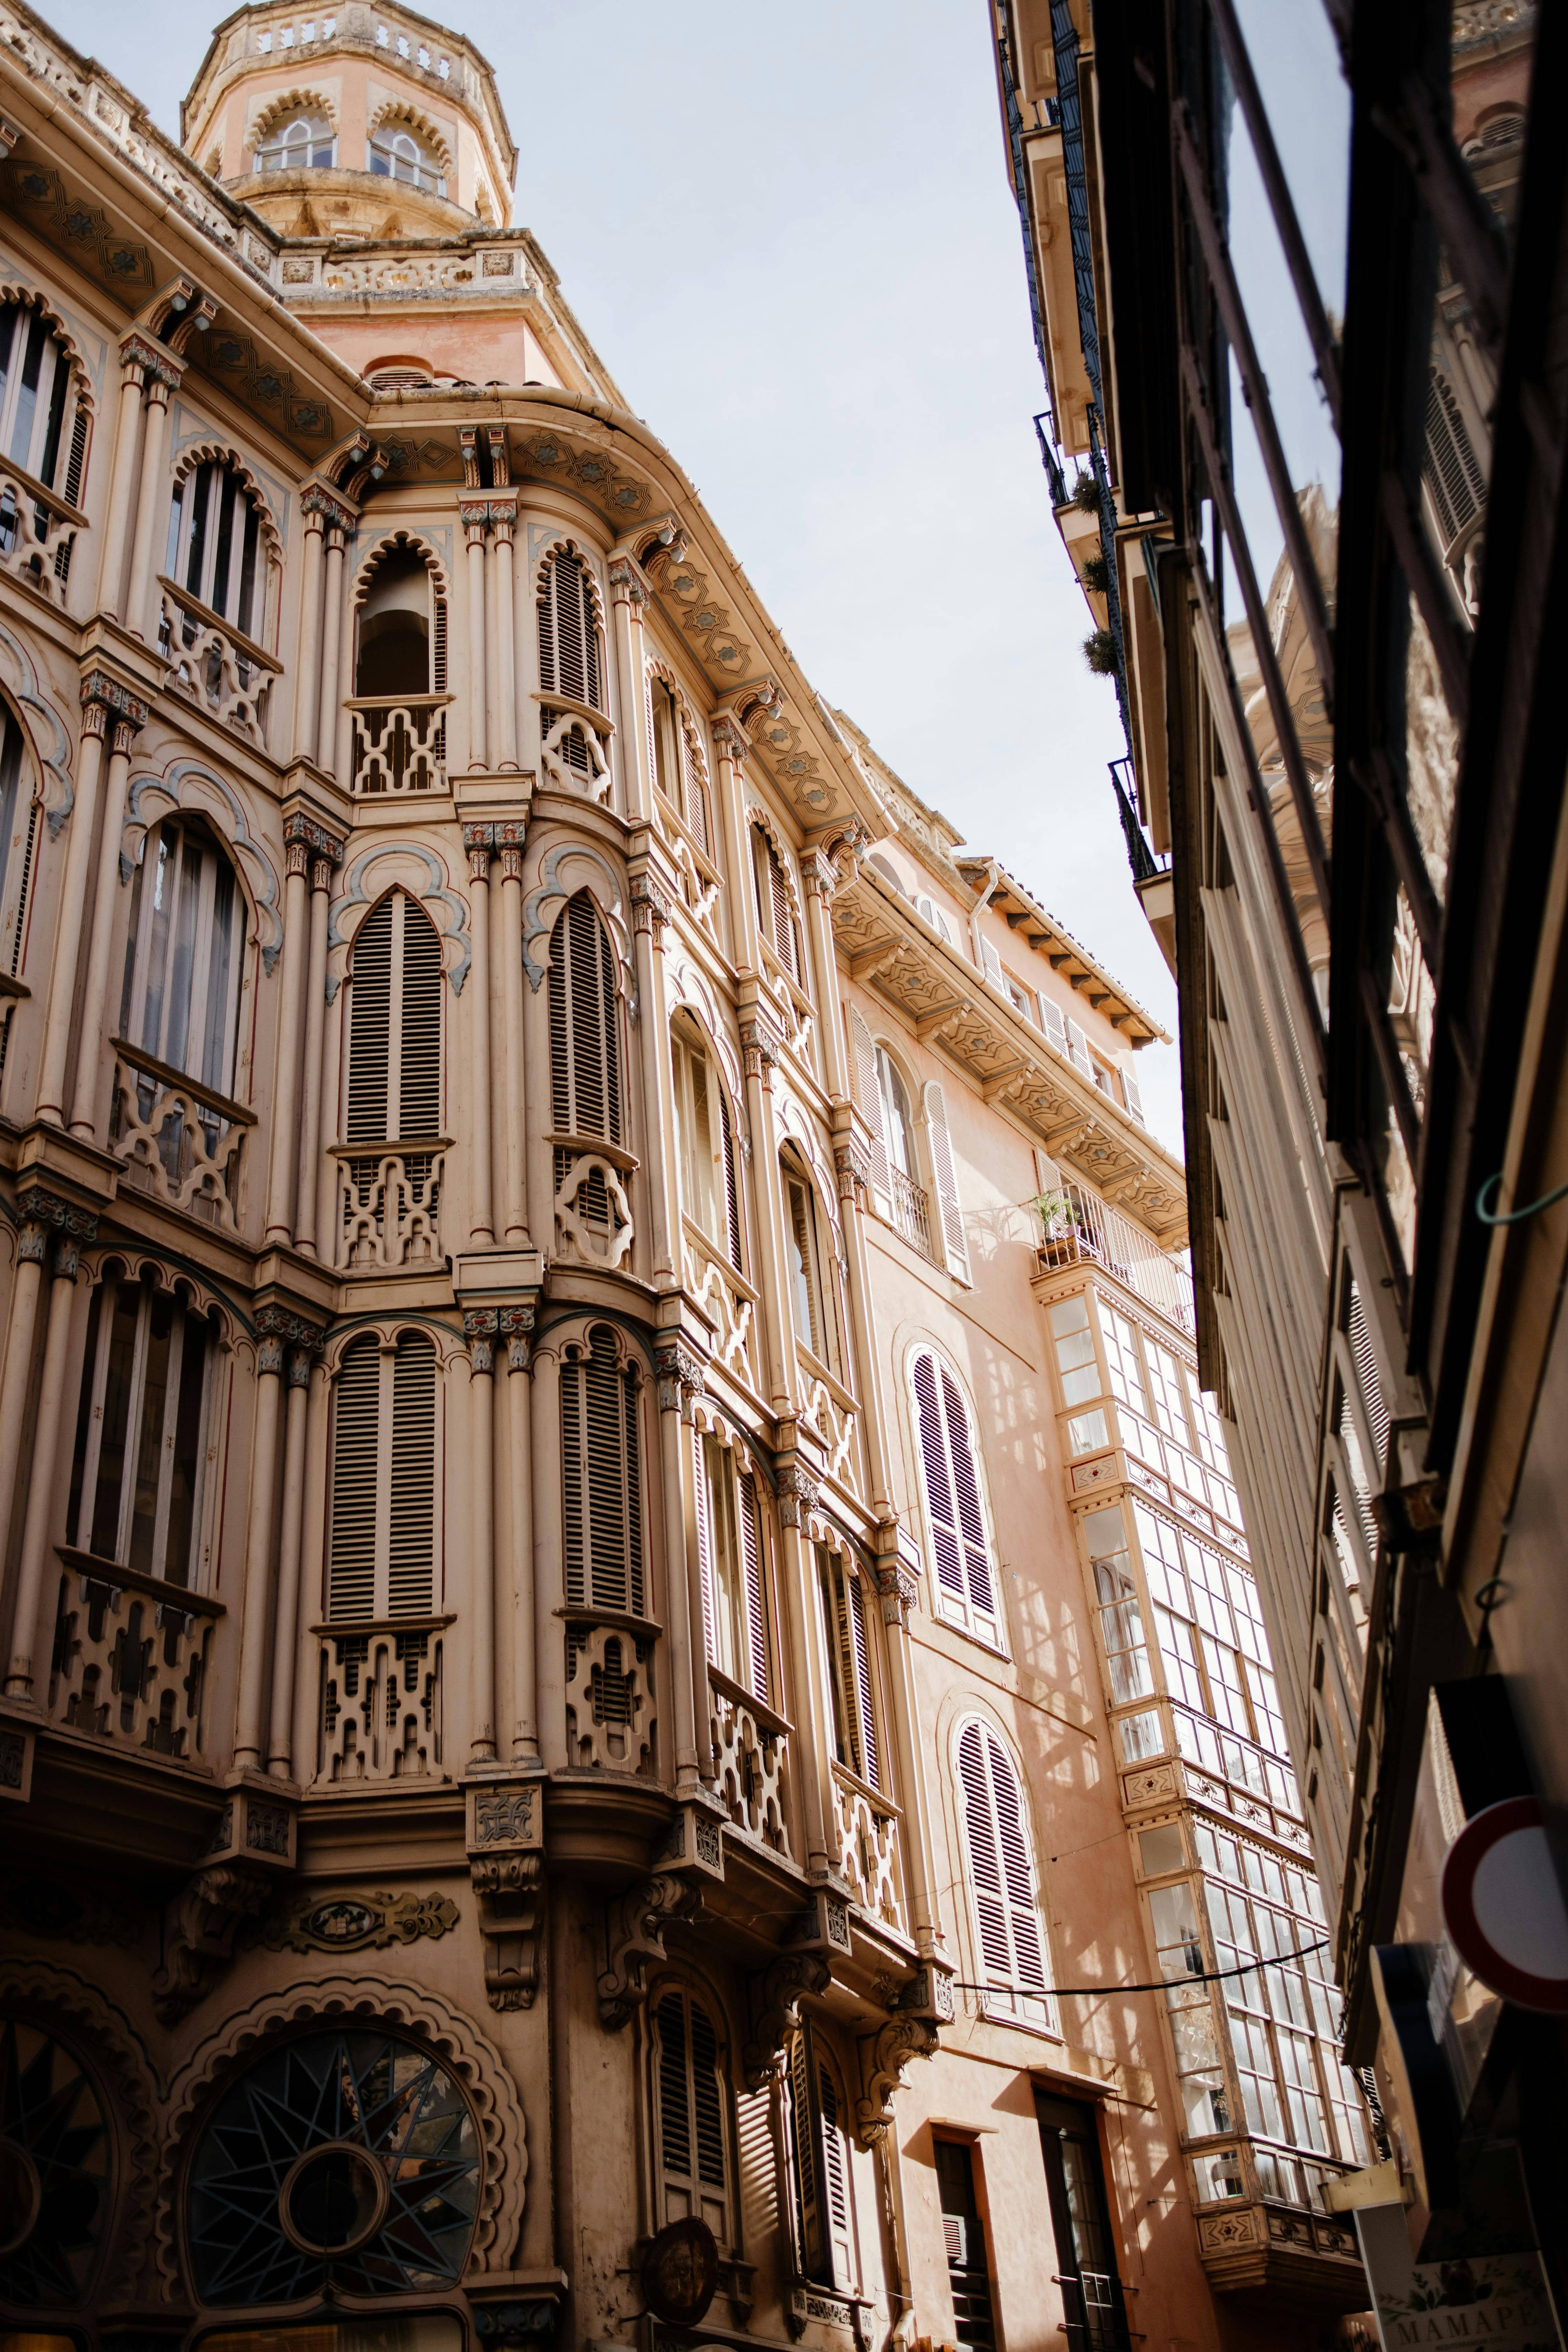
(1133, 1095)
(991, 963)
(953, 1502)
(394, 1025)
(419, 1024)
(835, 2182)
(1002, 1875)
(1053, 1021)
(705, 1471)
(868, 1091)
(601, 1481)
(369, 1113)
(585, 1077)
(756, 1591)
(946, 1182)
(1078, 1046)
(351, 1573)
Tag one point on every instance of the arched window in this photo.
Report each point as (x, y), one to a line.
(569, 662)
(216, 550)
(820, 2166)
(394, 1026)
(400, 664)
(692, 2120)
(845, 1636)
(395, 153)
(18, 837)
(675, 770)
(775, 915)
(301, 141)
(954, 1513)
(601, 1463)
(140, 1431)
(382, 1548)
(586, 1089)
(43, 425)
(730, 1541)
(804, 1263)
(180, 1002)
(1011, 1947)
(60, 2149)
(710, 1194)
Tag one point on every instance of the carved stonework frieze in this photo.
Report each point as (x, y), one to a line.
(506, 1868)
(776, 1994)
(634, 1936)
(44, 1209)
(100, 690)
(505, 1818)
(353, 1923)
(199, 1932)
(883, 2058)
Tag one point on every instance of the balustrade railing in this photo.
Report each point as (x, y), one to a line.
(212, 663)
(380, 1702)
(389, 1203)
(727, 1299)
(866, 1835)
(37, 532)
(130, 1660)
(911, 1211)
(179, 1140)
(1078, 1224)
(400, 747)
(832, 1413)
(593, 1209)
(750, 1759)
(612, 1721)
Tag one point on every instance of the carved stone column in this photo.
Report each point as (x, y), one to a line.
(812, 1710)
(514, 1092)
(101, 938)
(516, 1325)
(163, 375)
(549, 1584)
(103, 698)
(285, 1158)
(331, 654)
(897, 1585)
(54, 1435)
(480, 1327)
(680, 1383)
(778, 1324)
(308, 668)
(274, 1330)
(821, 880)
(852, 1160)
(37, 1214)
(649, 915)
(731, 745)
(299, 1364)
(503, 629)
(325, 854)
(629, 593)
(119, 506)
(475, 514)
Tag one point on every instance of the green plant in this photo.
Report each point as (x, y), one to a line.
(1057, 1213)
(1095, 575)
(1099, 653)
(1086, 494)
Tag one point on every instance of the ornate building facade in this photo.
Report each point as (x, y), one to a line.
(610, 1538)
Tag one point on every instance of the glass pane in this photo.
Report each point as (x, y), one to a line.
(116, 1410)
(1296, 66)
(177, 1562)
(149, 1445)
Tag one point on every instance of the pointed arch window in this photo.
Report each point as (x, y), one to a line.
(966, 1591)
(692, 2119)
(675, 770)
(586, 1092)
(709, 1190)
(1009, 1941)
(140, 1452)
(395, 152)
(383, 1543)
(820, 2166)
(43, 422)
(601, 1461)
(806, 1265)
(734, 1590)
(180, 999)
(571, 657)
(19, 844)
(847, 1638)
(301, 141)
(216, 550)
(394, 1026)
(775, 912)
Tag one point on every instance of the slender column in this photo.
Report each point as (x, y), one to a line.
(548, 1587)
(37, 1213)
(525, 651)
(279, 1742)
(313, 1547)
(630, 593)
(477, 841)
(680, 1380)
(253, 1654)
(777, 1323)
(315, 1026)
(812, 1707)
(149, 505)
(897, 1586)
(98, 691)
(731, 743)
(332, 633)
(308, 670)
(48, 1449)
(821, 880)
(649, 915)
(285, 1070)
(474, 519)
(120, 505)
(536, 1151)
(516, 1323)
(515, 1201)
(327, 1229)
(478, 1329)
(503, 633)
(101, 938)
(854, 1175)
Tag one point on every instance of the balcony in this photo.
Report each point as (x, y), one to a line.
(1079, 1228)
(181, 1141)
(611, 1719)
(911, 1212)
(865, 1833)
(727, 1299)
(379, 1716)
(751, 1757)
(389, 1203)
(593, 1211)
(1260, 2225)
(400, 747)
(210, 663)
(37, 532)
(129, 1658)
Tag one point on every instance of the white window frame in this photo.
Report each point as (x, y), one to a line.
(1016, 1888)
(278, 152)
(146, 1017)
(27, 413)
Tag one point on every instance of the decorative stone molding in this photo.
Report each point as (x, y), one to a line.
(101, 691)
(797, 1493)
(480, 1325)
(506, 1867)
(883, 2058)
(157, 365)
(899, 1590)
(682, 1377)
(634, 1936)
(776, 1994)
(343, 2001)
(336, 515)
(44, 1212)
(627, 578)
(650, 908)
(199, 1931)
(731, 740)
(760, 1051)
(317, 840)
(353, 1923)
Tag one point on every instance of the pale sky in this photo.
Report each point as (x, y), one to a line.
(791, 235)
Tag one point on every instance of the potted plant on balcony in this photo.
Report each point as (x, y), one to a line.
(1060, 1221)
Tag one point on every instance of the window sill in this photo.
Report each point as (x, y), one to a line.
(88, 1565)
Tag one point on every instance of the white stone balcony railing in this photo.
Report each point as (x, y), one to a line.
(832, 1413)
(179, 1140)
(380, 1707)
(400, 747)
(750, 1756)
(1079, 1225)
(865, 1831)
(727, 1299)
(593, 1208)
(130, 1660)
(37, 532)
(612, 1721)
(389, 1203)
(221, 671)
(911, 1211)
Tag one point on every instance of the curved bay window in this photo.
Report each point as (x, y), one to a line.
(593, 1213)
(691, 2117)
(571, 666)
(304, 140)
(140, 1431)
(397, 152)
(175, 1119)
(339, 2161)
(44, 425)
(400, 676)
(55, 2172)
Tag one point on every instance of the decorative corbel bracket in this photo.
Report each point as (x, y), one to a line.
(776, 1994)
(199, 1930)
(883, 2058)
(633, 1934)
(506, 1866)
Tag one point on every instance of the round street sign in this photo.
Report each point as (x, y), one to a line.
(681, 2272)
(1504, 1908)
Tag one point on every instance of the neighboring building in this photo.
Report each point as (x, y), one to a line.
(1296, 279)
(608, 1532)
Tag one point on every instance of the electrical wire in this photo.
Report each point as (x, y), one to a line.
(1161, 1984)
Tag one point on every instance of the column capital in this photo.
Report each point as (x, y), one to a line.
(103, 692)
(480, 1325)
(797, 1492)
(682, 1376)
(630, 583)
(276, 1324)
(731, 740)
(161, 371)
(335, 512)
(898, 1592)
(852, 1162)
(516, 1328)
(475, 515)
(819, 874)
(759, 1049)
(650, 908)
(312, 836)
(53, 1212)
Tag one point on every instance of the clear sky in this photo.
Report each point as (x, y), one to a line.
(791, 235)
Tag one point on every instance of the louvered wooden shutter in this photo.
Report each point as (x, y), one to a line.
(351, 1576)
(382, 1554)
(419, 1056)
(705, 1472)
(868, 1091)
(411, 1546)
(690, 2106)
(784, 937)
(946, 1182)
(1001, 1873)
(697, 815)
(756, 1591)
(866, 1710)
(835, 2182)
(76, 462)
(971, 1516)
(568, 633)
(758, 2171)
(732, 1182)
(810, 2235)
(394, 1025)
(584, 1058)
(369, 1116)
(601, 1481)
(952, 1500)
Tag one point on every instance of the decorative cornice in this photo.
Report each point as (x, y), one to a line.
(43, 1209)
(627, 578)
(316, 498)
(731, 740)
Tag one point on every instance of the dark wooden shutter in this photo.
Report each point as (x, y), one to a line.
(866, 1707)
(835, 2182)
(369, 1115)
(674, 2089)
(756, 1591)
(411, 1544)
(939, 1509)
(569, 662)
(351, 1573)
(585, 1059)
(420, 1058)
(601, 1481)
(705, 1472)
(732, 1182)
